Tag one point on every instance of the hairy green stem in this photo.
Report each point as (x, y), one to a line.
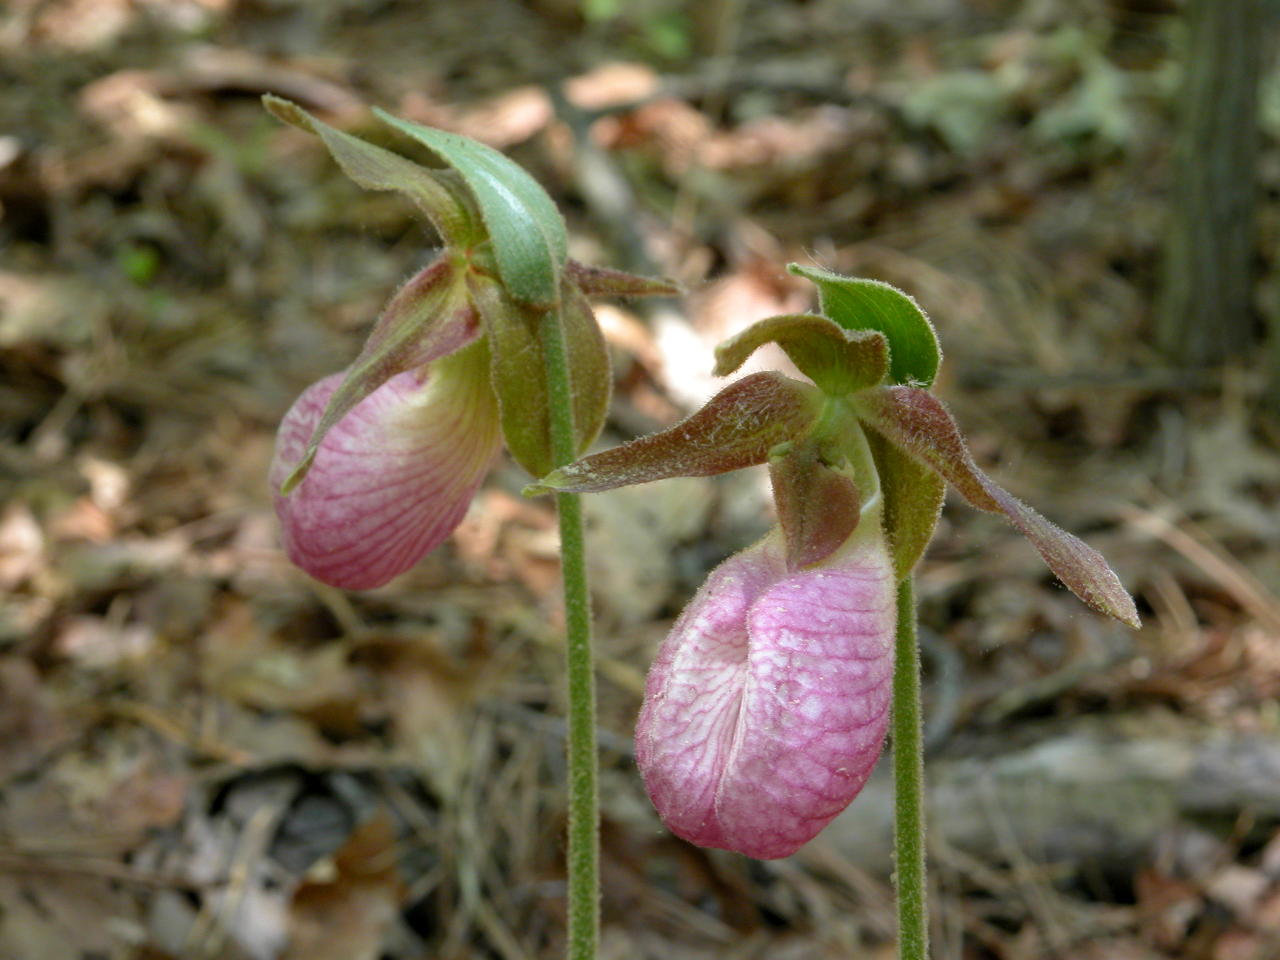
(908, 776)
(584, 817)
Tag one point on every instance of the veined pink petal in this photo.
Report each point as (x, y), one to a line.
(767, 706)
(393, 478)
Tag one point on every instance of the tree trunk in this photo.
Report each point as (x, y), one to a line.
(1206, 311)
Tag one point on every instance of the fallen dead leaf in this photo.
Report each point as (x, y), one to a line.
(344, 910)
(31, 723)
(21, 546)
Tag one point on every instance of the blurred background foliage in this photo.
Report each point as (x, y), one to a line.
(205, 754)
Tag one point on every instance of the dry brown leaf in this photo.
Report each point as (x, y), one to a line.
(633, 532)
(31, 723)
(21, 546)
(85, 25)
(611, 84)
(59, 914)
(1238, 888)
(99, 643)
(344, 912)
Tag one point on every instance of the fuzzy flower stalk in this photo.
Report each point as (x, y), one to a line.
(376, 465)
(768, 704)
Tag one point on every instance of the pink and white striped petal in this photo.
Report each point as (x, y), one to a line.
(767, 706)
(393, 478)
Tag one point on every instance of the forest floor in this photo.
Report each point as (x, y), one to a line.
(204, 753)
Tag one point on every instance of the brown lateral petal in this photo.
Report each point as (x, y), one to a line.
(918, 423)
(738, 427)
(427, 318)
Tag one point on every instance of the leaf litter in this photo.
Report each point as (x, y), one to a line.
(208, 755)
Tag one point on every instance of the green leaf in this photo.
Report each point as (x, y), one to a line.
(917, 422)
(839, 361)
(528, 233)
(374, 168)
(913, 495)
(818, 506)
(857, 304)
(518, 372)
(739, 427)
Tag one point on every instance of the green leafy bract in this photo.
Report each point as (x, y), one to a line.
(913, 495)
(518, 370)
(377, 169)
(858, 304)
(529, 236)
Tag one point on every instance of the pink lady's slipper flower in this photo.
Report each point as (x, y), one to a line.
(393, 478)
(767, 705)
(376, 466)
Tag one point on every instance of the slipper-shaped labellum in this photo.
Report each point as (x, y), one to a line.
(767, 706)
(393, 478)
